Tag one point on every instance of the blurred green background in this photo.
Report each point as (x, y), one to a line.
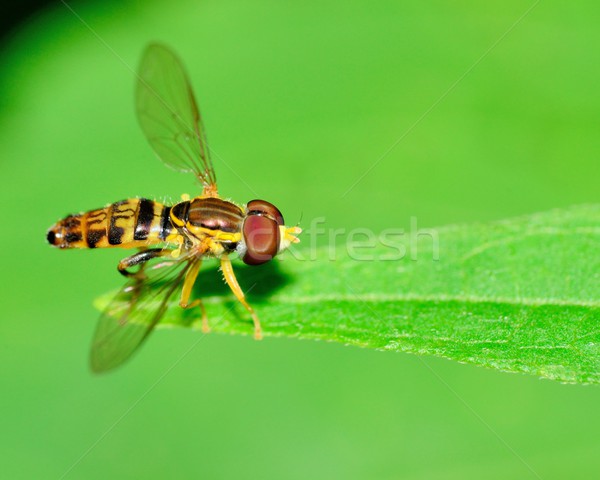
(300, 99)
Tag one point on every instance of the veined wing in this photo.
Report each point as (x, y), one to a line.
(134, 312)
(169, 116)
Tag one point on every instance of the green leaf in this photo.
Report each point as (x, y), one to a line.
(519, 295)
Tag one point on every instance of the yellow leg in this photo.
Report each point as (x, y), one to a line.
(186, 291)
(227, 270)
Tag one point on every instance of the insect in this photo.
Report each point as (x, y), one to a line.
(171, 240)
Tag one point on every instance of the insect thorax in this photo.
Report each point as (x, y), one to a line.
(209, 217)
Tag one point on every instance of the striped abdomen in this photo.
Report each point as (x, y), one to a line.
(136, 222)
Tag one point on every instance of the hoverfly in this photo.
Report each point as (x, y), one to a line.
(171, 240)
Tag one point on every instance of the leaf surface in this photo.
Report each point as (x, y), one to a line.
(519, 295)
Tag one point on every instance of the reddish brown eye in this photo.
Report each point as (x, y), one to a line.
(261, 236)
(261, 207)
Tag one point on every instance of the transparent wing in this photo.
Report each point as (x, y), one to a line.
(134, 312)
(169, 116)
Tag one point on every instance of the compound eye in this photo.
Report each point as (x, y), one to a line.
(261, 235)
(261, 207)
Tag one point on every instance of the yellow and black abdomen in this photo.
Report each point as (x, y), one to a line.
(135, 222)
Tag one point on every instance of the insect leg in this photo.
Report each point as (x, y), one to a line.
(140, 258)
(186, 291)
(227, 270)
